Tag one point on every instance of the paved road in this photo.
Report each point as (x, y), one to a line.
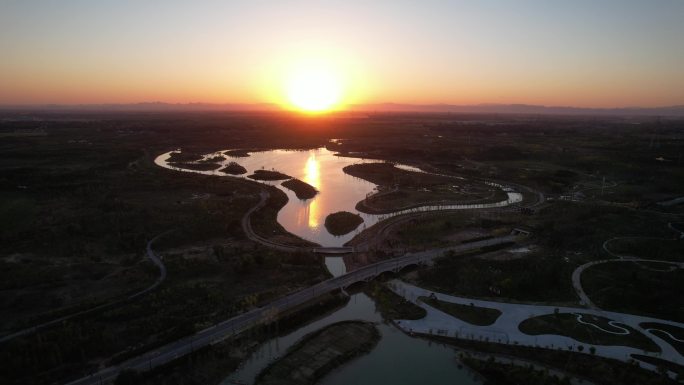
(577, 273)
(246, 320)
(251, 234)
(162, 276)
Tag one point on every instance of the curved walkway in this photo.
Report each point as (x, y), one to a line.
(607, 249)
(586, 301)
(651, 330)
(614, 324)
(505, 329)
(162, 276)
(252, 235)
(577, 275)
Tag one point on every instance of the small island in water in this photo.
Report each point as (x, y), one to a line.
(320, 352)
(268, 175)
(237, 153)
(342, 222)
(303, 190)
(234, 168)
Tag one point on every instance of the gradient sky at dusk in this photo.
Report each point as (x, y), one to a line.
(601, 53)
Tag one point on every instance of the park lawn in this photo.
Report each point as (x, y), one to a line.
(566, 324)
(481, 316)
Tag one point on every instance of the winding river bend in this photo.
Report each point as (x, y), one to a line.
(398, 358)
(338, 191)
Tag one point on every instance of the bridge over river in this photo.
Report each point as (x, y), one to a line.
(268, 313)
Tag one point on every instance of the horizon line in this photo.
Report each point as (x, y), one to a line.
(511, 108)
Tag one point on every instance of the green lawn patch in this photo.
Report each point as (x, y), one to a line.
(497, 373)
(566, 324)
(662, 249)
(537, 277)
(393, 306)
(629, 288)
(661, 364)
(481, 316)
(664, 330)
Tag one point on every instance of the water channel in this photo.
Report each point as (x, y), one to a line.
(398, 359)
(338, 191)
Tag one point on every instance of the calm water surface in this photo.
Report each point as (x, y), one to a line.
(338, 191)
(321, 169)
(397, 359)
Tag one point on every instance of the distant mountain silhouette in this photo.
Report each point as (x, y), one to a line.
(520, 109)
(379, 107)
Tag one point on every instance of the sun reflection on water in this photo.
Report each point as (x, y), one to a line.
(312, 176)
(312, 171)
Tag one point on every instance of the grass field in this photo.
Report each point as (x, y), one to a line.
(627, 287)
(566, 324)
(472, 314)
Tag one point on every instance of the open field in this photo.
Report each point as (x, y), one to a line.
(568, 325)
(406, 189)
(393, 306)
(535, 278)
(472, 314)
(661, 249)
(628, 287)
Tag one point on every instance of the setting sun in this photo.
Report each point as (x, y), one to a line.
(314, 89)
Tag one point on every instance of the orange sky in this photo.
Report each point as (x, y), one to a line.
(617, 53)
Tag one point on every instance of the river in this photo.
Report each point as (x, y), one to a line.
(338, 191)
(398, 359)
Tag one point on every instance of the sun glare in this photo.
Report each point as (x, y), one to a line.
(314, 90)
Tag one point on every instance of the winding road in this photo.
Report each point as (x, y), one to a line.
(110, 305)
